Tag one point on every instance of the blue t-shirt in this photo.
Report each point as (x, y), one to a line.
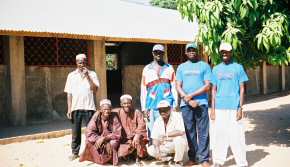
(192, 76)
(228, 78)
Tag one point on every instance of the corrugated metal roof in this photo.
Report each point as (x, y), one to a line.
(112, 20)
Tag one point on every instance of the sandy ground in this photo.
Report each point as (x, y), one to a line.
(268, 141)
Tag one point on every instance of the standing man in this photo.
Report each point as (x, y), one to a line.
(134, 137)
(158, 83)
(81, 84)
(193, 83)
(168, 135)
(227, 109)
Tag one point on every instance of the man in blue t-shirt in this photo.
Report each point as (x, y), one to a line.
(227, 109)
(193, 83)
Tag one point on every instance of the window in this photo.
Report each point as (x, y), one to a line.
(176, 54)
(53, 51)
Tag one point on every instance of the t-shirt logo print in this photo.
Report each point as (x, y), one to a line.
(225, 76)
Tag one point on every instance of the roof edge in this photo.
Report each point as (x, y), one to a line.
(88, 37)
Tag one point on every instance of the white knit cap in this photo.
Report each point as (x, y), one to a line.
(158, 47)
(163, 104)
(225, 46)
(126, 96)
(105, 101)
(81, 56)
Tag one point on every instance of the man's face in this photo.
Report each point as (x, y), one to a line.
(158, 55)
(81, 63)
(126, 104)
(226, 55)
(191, 53)
(106, 110)
(164, 112)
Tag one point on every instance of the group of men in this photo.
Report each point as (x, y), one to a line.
(159, 129)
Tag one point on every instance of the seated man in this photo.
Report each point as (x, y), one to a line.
(103, 135)
(134, 137)
(168, 135)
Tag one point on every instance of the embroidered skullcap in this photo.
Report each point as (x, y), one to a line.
(81, 56)
(126, 96)
(105, 101)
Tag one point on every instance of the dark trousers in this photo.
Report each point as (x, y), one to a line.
(196, 123)
(78, 116)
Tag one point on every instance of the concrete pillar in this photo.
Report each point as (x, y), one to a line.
(16, 66)
(283, 77)
(99, 56)
(264, 76)
(165, 53)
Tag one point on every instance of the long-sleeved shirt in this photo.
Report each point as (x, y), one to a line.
(157, 83)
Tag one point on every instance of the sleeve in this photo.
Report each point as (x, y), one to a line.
(173, 88)
(95, 79)
(242, 75)
(143, 91)
(179, 122)
(91, 130)
(141, 126)
(179, 74)
(207, 73)
(214, 77)
(68, 85)
(155, 134)
(117, 129)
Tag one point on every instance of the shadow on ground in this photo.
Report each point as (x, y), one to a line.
(271, 127)
(253, 157)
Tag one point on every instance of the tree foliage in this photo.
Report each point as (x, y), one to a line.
(170, 4)
(257, 29)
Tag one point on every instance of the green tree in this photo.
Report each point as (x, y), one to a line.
(257, 29)
(170, 4)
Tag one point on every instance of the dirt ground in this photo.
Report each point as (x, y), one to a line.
(267, 137)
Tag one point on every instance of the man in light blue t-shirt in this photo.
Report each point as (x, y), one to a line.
(193, 83)
(227, 109)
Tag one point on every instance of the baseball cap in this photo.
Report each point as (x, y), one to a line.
(163, 104)
(191, 45)
(158, 47)
(225, 46)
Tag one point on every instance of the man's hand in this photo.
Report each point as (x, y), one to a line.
(68, 114)
(239, 114)
(135, 141)
(146, 115)
(158, 154)
(212, 114)
(99, 142)
(187, 98)
(193, 103)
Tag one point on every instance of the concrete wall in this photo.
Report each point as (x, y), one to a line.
(253, 86)
(44, 93)
(3, 95)
(273, 79)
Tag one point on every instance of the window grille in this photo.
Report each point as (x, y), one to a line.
(176, 54)
(53, 51)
